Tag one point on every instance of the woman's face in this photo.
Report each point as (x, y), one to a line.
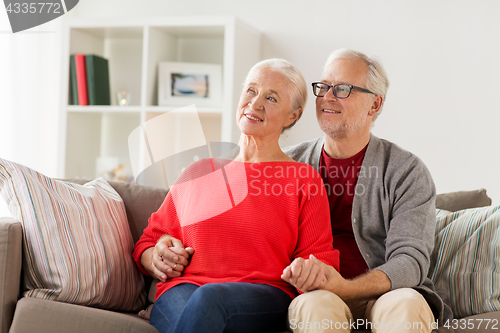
(265, 104)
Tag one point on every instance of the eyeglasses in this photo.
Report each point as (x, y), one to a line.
(339, 90)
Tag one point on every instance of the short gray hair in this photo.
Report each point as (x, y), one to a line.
(299, 90)
(376, 79)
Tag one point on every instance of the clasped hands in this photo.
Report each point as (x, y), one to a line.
(312, 274)
(169, 258)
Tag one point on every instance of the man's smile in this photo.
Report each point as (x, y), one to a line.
(330, 111)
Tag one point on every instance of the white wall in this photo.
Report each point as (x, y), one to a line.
(29, 97)
(442, 57)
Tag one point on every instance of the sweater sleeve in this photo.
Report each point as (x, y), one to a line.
(315, 231)
(410, 236)
(163, 221)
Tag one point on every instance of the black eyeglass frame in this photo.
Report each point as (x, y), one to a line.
(351, 87)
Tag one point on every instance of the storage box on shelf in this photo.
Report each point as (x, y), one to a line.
(134, 49)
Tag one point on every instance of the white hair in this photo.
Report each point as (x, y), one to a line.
(376, 79)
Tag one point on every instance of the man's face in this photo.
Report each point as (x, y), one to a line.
(348, 117)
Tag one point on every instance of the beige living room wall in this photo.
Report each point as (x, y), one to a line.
(442, 58)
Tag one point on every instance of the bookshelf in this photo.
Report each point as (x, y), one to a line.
(134, 48)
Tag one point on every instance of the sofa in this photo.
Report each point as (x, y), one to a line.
(20, 314)
(28, 314)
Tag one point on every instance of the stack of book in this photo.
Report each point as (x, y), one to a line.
(89, 80)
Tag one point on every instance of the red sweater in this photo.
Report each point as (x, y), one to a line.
(246, 222)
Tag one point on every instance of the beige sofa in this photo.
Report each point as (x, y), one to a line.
(30, 315)
(22, 314)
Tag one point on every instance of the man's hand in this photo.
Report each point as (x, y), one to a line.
(311, 274)
(167, 259)
(305, 274)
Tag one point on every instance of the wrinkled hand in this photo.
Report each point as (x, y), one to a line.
(169, 258)
(311, 274)
(304, 274)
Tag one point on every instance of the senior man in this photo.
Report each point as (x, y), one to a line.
(382, 204)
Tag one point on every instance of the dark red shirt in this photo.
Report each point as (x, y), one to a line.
(340, 177)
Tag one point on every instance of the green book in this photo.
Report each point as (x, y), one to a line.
(97, 80)
(72, 82)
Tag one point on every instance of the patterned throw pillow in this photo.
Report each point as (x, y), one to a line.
(466, 259)
(76, 239)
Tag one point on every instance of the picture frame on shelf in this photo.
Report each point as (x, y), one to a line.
(182, 83)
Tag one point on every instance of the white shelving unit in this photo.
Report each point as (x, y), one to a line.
(134, 49)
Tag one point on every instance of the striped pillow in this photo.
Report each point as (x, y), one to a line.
(466, 259)
(77, 242)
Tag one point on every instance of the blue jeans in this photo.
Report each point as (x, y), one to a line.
(221, 307)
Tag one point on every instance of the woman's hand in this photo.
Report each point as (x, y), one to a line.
(167, 259)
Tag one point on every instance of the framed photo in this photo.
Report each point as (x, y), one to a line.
(182, 83)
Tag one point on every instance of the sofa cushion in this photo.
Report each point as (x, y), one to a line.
(455, 201)
(140, 202)
(483, 323)
(76, 240)
(465, 260)
(43, 316)
(10, 269)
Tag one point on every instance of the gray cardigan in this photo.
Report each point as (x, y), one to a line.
(393, 215)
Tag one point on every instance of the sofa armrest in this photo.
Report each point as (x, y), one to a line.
(11, 240)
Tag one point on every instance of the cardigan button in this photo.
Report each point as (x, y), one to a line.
(367, 254)
(354, 221)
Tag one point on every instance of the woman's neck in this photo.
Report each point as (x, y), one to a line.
(253, 150)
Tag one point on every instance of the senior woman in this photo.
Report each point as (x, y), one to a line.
(247, 220)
